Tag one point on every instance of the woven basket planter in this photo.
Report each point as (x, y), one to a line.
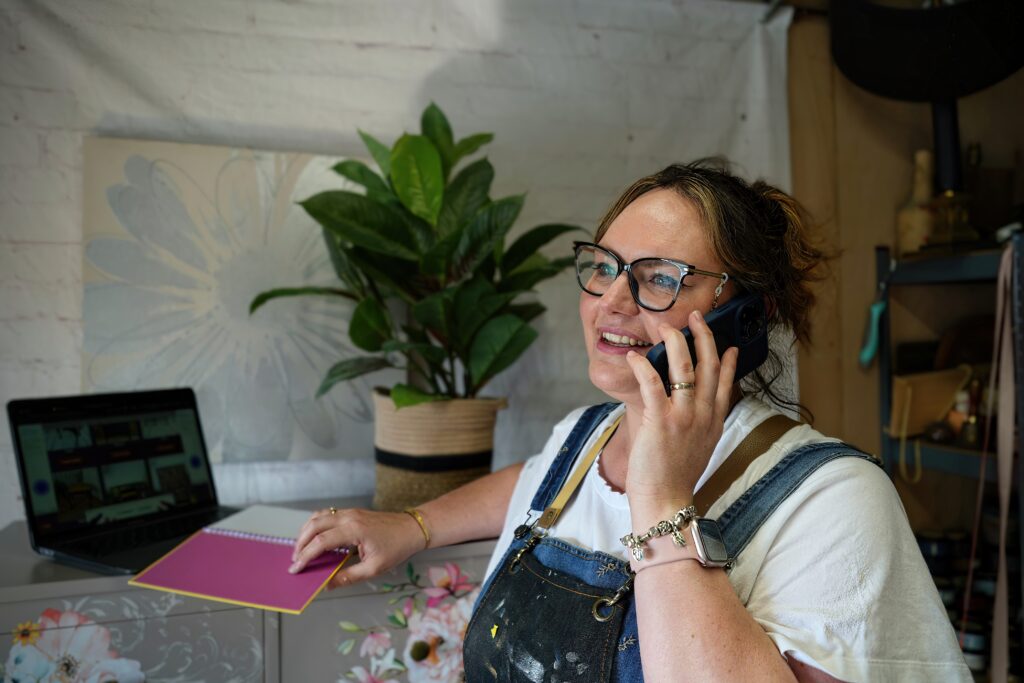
(429, 449)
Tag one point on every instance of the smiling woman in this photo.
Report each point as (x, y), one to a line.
(802, 566)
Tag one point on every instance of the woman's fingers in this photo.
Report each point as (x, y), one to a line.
(354, 572)
(318, 521)
(324, 540)
(680, 365)
(723, 399)
(652, 390)
(708, 364)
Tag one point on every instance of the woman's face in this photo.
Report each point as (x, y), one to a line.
(663, 224)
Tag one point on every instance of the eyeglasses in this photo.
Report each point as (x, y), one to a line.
(654, 282)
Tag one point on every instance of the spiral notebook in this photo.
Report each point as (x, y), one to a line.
(243, 560)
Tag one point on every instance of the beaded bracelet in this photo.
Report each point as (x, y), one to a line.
(665, 527)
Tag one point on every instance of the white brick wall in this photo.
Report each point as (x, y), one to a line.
(583, 96)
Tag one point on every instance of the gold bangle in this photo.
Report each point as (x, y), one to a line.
(415, 514)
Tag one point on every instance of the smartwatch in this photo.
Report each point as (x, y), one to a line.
(705, 545)
(708, 544)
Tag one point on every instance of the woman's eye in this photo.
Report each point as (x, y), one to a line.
(663, 281)
(604, 270)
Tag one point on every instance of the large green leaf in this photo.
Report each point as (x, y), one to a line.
(379, 151)
(417, 177)
(530, 241)
(498, 344)
(438, 258)
(343, 267)
(467, 146)
(487, 229)
(434, 355)
(365, 222)
(525, 279)
(351, 368)
(476, 302)
(528, 311)
(360, 173)
(466, 195)
(370, 325)
(282, 292)
(435, 313)
(434, 125)
(404, 396)
(388, 275)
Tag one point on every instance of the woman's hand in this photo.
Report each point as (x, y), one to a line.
(679, 431)
(383, 540)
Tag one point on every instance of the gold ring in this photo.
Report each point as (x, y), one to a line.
(686, 386)
(332, 509)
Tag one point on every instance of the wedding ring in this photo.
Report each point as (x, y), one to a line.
(332, 509)
(686, 386)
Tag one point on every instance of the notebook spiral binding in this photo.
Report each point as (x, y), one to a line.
(263, 538)
(279, 540)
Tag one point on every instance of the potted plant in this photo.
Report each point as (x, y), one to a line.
(422, 253)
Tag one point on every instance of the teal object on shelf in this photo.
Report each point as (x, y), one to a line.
(869, 349)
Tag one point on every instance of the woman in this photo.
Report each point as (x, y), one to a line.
(828, 583)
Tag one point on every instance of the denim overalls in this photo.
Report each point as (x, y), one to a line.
(553, 612)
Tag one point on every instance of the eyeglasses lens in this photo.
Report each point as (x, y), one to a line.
(655, 282)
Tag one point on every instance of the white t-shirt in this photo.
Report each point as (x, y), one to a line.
(834, 575)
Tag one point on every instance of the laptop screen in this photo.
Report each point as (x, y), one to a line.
(92, 462)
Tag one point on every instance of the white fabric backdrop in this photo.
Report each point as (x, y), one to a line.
(584, 96)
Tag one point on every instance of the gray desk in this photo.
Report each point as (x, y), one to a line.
(176, 638)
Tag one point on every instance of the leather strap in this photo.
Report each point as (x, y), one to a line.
(1002, 375)
(555, 509)
(758, 441)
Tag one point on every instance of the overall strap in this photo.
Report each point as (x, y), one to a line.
(567, 454)
(750, 449)
(745, 516)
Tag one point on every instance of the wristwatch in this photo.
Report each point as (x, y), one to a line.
(708, 543)
(705, 545)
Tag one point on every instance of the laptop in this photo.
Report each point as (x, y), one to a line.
(111, 482)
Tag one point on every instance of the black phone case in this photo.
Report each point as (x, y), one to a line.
(740, 322)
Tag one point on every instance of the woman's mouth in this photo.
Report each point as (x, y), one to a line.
(610, 342)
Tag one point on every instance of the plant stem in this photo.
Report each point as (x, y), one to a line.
(454, 384)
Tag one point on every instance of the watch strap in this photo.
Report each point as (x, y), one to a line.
(662, 550)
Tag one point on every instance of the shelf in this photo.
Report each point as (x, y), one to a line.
(972, 266)
(948, 459)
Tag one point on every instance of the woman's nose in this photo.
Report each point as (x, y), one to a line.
(619, 298)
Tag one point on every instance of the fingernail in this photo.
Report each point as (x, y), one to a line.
(699, 316)
(294, 569)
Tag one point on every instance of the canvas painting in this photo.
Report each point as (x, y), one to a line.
(178, 239)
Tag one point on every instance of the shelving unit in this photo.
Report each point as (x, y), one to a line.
(971, 267)
(978, 266)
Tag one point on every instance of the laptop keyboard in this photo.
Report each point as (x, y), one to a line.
(147, 534)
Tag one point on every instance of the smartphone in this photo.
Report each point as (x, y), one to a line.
(741, 322)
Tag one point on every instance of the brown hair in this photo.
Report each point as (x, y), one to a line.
(762, 237)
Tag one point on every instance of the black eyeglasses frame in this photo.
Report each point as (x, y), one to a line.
(634, 287)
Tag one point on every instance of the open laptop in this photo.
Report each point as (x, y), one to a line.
(111, 482)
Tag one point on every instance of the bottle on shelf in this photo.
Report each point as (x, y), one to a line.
(915, 222)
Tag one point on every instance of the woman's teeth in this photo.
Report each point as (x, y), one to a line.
(622, 340)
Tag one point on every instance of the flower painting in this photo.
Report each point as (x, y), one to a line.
(178, 240)
(67, 647)
(431, 616)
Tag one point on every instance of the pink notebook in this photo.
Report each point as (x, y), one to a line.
(223, 562)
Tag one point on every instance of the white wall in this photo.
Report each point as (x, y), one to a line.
(583, 96)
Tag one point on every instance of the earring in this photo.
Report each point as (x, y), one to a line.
(718, 291)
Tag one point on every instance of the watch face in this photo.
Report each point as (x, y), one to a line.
(711, 537)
